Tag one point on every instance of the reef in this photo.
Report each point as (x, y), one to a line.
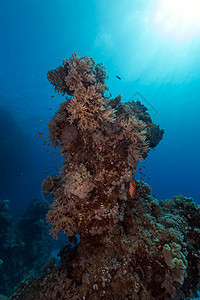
(25, 246)
(131, 245)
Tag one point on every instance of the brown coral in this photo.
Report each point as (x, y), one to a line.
(101, 140)
(130, 247)
(135, 132)
(89, 108)
(129, 260)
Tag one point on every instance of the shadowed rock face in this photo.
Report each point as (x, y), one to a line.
(13, 151)
(131, 246)
(24, 246)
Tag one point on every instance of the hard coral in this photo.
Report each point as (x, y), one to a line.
(139, 258)
(128, 247)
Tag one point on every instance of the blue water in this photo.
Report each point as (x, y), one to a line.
(35, 37)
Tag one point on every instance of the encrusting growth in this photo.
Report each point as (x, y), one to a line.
(131, 246)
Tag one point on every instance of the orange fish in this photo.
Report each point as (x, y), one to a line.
(40, 134)
(52, 96)
(132, 187)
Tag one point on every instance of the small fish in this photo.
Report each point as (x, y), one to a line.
(44, 148)
(40, 134)
(119, 77)
(141, 179)
(140, 169)
(47, 150)
(141, 173)
(52, 96)
(148, 178)
(50, 108)
(44, 142)
(51, 155)
(110, 95)
(46, 172)
(132, 188)
(40, 120)
(144, 167)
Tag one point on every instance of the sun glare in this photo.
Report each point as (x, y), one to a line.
(178, 20)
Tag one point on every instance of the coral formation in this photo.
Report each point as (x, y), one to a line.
(131, 246)
(24, 246)
(101, 145)
(175, 259)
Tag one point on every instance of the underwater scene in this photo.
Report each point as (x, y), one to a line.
(99, 150)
